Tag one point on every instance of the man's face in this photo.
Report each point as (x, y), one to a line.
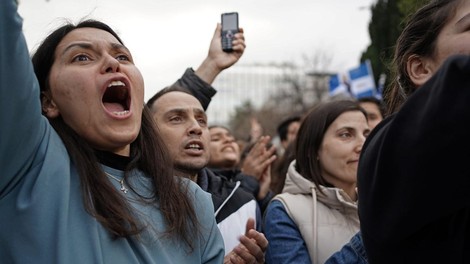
(224, 150)
(183, 126)
(373, 113)
(292, 130)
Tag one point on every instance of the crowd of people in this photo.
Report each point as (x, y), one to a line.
(93, 174)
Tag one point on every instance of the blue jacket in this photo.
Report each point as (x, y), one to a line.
(279, 227)
(351, 253)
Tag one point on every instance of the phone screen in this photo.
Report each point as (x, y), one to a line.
(230, 21)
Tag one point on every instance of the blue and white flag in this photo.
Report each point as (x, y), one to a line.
(362, 80)
(337, 85)
(357, 82)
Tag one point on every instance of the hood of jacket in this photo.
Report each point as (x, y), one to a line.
(330, 196)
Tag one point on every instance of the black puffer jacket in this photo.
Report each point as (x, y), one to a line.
(232, 204)
(248, 183)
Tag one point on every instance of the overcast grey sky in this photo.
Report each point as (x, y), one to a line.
(167, 36)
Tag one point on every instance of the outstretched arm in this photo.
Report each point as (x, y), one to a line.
(199, 82)
(20, 112)
(217, 60)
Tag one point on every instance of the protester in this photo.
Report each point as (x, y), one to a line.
(281, 167)
(375, 109)
(287, 131)
(254, 171)
(223, 148)
(183, 124)
(317, 212)
(406, 158)
(198, 84)
(88, 181)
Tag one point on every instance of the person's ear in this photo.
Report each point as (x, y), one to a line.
(419, 69)
(49, 107)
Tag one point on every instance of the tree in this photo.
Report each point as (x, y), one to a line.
(408, 7)
(300, 87)
(294, 91)
(290, 90)
(384, 29)
(387, 22)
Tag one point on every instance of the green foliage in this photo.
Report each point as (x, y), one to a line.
(384, 29)
(387, 22)
(408, 7)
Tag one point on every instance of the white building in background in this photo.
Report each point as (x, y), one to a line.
(241, 83)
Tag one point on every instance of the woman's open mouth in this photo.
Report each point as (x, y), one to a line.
(116, 98)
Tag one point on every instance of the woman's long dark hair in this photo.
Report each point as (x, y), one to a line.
(417, 38)
(148, 153)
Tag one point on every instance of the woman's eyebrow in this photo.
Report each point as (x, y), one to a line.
(119, 46)
(86, 45)
(83, 45)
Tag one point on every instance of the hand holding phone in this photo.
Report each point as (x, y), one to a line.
(229, 29)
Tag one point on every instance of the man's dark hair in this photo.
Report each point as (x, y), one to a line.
(172, 88)
(375, 100)
(283, 127)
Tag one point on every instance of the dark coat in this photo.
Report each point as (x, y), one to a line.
(414, 175)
